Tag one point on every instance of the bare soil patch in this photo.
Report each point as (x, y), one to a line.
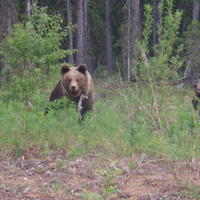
(61, 178)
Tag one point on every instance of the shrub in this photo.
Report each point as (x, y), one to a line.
(166, 62)
(35, 43)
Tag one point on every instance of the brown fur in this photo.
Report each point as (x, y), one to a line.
(196, 99)
(76, 84)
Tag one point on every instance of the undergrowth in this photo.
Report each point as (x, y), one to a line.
(125, 121)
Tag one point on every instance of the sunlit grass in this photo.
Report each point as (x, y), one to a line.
(123, 124)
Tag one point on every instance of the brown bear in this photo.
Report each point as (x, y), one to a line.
(196, 99)
(75, 84)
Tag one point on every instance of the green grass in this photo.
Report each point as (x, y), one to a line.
(123, 123)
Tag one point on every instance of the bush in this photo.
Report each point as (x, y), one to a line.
(35, 43)
(166, 62)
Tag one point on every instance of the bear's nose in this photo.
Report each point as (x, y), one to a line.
(73, 88)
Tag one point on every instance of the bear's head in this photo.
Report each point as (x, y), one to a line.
(197, 90)
(74, 80)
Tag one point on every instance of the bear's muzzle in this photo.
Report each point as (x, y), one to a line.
(73, 88)
(74, 91)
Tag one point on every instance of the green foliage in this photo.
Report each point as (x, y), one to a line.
(124, 122)
(191, 41)
(190, 192)
(96, 13)
(63, 107)
(147, 31)
(57, 186)
(35, 43)
(166, 62)
(132, 166)
(21, 88)
(107, 178)
(87, 195)
(59, 166)
(101, 72)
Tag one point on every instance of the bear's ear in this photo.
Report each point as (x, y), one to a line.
(64, 69)
(82, 68)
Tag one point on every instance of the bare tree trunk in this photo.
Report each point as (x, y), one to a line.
(9, 22)
(128, 41)
(136, 28)
(80, 33)
(195, 10)
(70, 36)
(87, 57)
(28, 7)
(8, 16)
(9, 12)
(133, 27)
(108, 39)
(123, 50)
(83, 35)
(157, 16)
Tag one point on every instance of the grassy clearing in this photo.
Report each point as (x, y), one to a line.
(125, 121)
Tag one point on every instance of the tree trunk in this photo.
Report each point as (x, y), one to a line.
(83, 35)
(70, 36)
(195, 10)
(87, 58)
(108, 39)
(80, 33)
(8, 16)
(131, 33)
(157, 16)
(9, 19)
(128, 42)
(82, 25)
(136, 28)
(28, 7)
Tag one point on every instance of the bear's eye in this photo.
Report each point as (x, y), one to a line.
(69, 80)
(77, 80)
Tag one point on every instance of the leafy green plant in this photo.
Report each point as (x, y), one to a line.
(167, 61)
(101, 72)
(191, 57)
(35, 43)
(108, 177)
(21, 88)
(57, 186)
(17, 148)
(132, 166)
(88, 195)
(59, 166)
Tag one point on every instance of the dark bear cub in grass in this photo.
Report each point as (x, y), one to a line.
(196, 99)
(76, 85)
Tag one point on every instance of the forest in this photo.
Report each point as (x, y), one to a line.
(141, 140)
(107, 35)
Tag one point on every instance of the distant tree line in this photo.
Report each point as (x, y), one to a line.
(109, 35)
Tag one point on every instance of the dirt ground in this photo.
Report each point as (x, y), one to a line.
(59, 178)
